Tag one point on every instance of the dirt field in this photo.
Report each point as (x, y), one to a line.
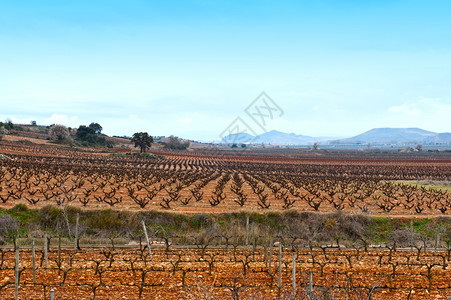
(221, 274)
(192, 183)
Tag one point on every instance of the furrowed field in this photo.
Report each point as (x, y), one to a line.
(224, 225)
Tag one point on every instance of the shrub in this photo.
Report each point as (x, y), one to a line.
(3, 131)
(58, 132)
(8, 226)
(176, 143)
(91, 136)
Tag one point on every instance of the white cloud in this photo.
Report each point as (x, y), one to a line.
(424, 106)
(20, 120)
(70, 121)
(407, 109)
(427, 113)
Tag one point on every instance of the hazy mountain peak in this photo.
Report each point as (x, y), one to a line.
(383, 135)
(389, 135)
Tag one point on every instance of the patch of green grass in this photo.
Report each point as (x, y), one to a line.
(429, 185)
(119, 154)
(381, 227)
(22, 213)
(420, 224)
(106, 219)
(199, 220)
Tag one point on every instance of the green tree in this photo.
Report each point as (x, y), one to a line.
(142, 140)
(96, 127)
(85, 133)
(7, 125)
(91, 136)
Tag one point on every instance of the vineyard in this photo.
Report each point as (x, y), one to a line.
(223, 224)
(233, 274)
(41, 175)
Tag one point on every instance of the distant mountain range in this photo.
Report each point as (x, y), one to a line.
(397, 136)
(373, 136)
(271, 137)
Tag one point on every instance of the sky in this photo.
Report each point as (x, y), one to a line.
(334, 67)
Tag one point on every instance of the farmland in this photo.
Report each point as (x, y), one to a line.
(226, 274)
(360, 224)
(41, 175)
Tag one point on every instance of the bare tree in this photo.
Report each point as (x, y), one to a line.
(3, 131)
(315, 146)
(8, 228)
(177, 143)
(58, 132)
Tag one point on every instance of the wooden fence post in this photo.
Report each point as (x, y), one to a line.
(253, 240)
(16, 272)
(247, 230)
(77, 220)
(46, 258)
(33, 260)
(147, 238)
(294, 275)
(59, 252)
(310, 280)
(270, 255)
(279, 283)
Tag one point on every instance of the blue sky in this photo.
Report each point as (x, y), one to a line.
(189, 68)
